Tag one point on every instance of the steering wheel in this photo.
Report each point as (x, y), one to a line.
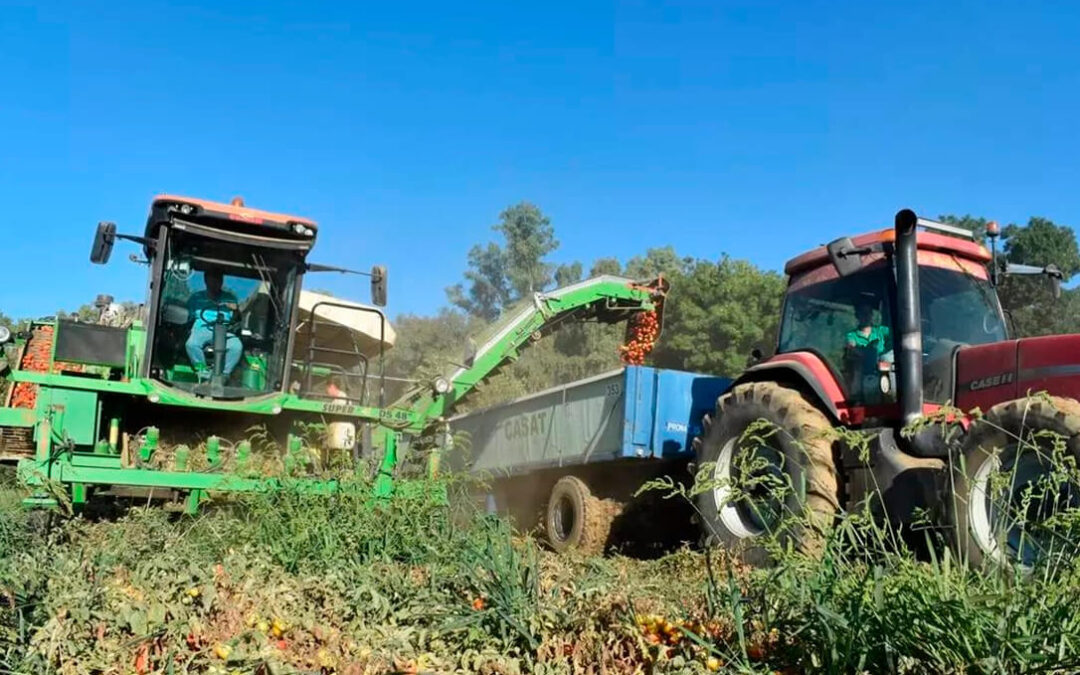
(220, 309)
(989, 322)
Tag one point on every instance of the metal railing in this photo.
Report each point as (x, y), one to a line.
(317, 355)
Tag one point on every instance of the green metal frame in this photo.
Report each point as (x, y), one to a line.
(76, 449)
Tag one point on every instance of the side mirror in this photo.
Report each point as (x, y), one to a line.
(103, 243)
(470, 353)
(378, 285)
(756, 355)
(844, 256)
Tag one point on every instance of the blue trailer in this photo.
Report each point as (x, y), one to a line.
(570, 458)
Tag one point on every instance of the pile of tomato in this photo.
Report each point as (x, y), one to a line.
(36, 359)
(642, 333)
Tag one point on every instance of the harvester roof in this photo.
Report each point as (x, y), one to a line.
(236, 212)
(927, 241)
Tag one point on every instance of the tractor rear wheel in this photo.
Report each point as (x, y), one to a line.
(773, 471)
(1019, 469)
(575, 519)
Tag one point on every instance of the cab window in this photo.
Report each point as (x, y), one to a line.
(847, 322)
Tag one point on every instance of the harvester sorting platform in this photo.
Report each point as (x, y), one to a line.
(228, 340)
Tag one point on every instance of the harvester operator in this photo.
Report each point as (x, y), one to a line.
(203, 307)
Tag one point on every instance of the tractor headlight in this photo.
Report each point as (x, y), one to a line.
(441, 385)
(5, 335)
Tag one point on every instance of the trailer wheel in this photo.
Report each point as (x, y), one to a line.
(772, 472)
(1017, 471)
(575, 519)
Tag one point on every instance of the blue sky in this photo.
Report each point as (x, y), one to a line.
(754, 129)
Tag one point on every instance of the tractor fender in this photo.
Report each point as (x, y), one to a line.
(805, 372)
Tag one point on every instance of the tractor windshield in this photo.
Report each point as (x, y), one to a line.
(223, 318)
(957, 309)
(848, 323)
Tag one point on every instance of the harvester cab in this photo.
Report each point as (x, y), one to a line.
(224, 301)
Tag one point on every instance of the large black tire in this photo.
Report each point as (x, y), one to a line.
(575, 519)
(797, 446)
(986, 528)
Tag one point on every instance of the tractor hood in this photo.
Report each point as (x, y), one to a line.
(1001, 371)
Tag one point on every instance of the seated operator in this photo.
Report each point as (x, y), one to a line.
(865, 344)
(203, 306)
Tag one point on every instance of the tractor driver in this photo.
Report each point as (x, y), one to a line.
(866, 345)
(866, 335)
(203, 307)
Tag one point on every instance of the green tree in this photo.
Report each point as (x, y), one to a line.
(488, 290)
(426, 344)
(604, 266)
(657, 261)
(499, 276)
(529, 238)
(716, 313)
(567, 274)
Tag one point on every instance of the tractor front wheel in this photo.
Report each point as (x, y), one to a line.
(1018, 471)
(772, 472)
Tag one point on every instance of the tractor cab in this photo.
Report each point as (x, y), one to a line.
(842, 308)
(224, 299)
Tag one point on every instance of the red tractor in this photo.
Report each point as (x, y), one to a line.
(878, 333)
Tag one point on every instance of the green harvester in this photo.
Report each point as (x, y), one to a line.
(218, 383)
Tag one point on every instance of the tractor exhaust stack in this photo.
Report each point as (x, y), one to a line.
(909, 322)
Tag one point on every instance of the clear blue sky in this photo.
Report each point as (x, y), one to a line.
(749, 128)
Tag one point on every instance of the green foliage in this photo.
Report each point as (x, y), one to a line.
(425, 344)
(529, 238)
(488, 288)
(293, 583)
(604, 266)
(567, 274)
(499, 276)
(655, 262)
(716, 314)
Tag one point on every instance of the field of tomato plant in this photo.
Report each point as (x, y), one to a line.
(293, 584)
